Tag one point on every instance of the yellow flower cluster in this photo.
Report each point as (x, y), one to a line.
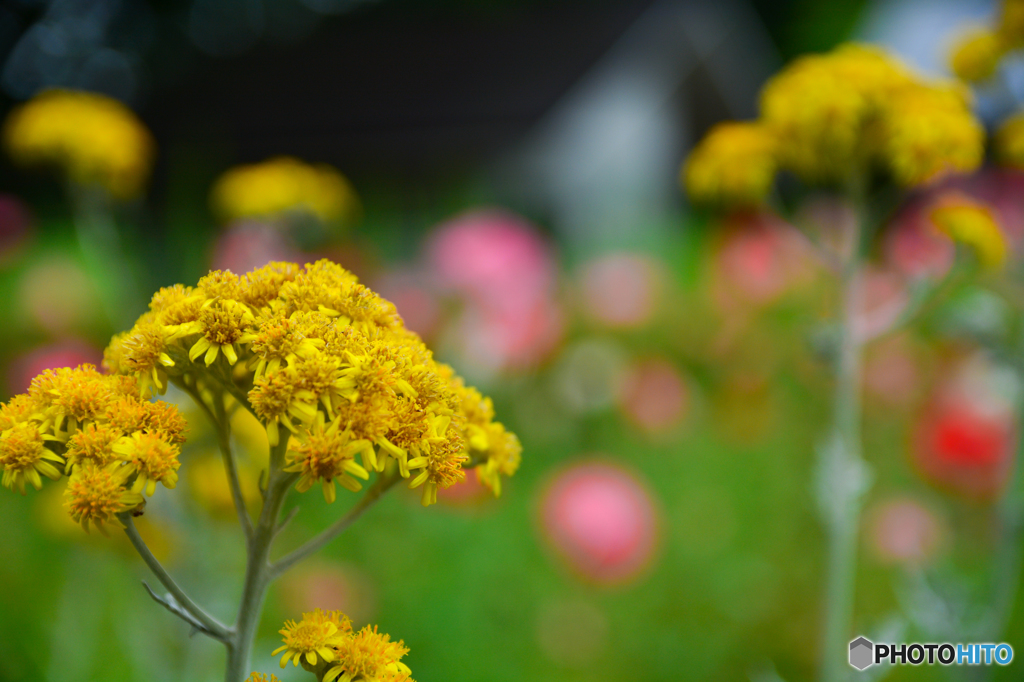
(92, 138)
(281, 185)
(1009, 142)
(325, 361)
(977, 52)
(970, 222)
(97, 429)
(829, 117)
(324, 643)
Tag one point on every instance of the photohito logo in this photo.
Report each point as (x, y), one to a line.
(864, 653)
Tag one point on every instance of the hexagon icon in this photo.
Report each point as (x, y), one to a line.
(861, 650)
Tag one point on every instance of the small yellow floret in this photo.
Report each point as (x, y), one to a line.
(734, 165)
(369, 655)
(98, 495)
(23, 457)
(313, 638)
(967, 221)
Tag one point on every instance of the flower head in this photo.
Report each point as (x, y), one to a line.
(734, 165)
(965, 220)
(153, 459)
(92, 138)
(98, 494)
(327, 454)
(23, 457)
(313, 638)
(369, 656)
(976, 55)
(283, 184)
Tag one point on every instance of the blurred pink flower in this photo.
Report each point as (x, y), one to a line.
(913, 246)
(58, 295)
(601, 520)
(884, 297)
(621, 290)
(903, 531)
(654, 395)
(760, 258)
(503, 272)
(329, 586)
(413, 296)
(67, 353)
(247, 245)
(495, 257)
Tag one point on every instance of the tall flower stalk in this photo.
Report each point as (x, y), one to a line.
(849, 120)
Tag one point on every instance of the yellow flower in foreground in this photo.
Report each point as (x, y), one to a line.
(976, 55)
(23, 457)
(369, 655)
(92, 138)
(313, 638)
(734, 165)
(967, 221)
(260, 677)
(1009, 141)
(327, 454)
(283, 184)
(98, 495)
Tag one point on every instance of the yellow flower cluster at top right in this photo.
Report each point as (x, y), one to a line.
(830, 118)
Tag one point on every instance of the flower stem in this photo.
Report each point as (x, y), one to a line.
(844, 477)
(212, 626)
(257, 569)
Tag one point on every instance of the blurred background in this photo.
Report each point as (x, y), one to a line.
(509, 177)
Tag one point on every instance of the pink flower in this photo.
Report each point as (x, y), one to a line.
(654, 396)
(66, 353)
(621, 290)
(903, 531)
(601, 520)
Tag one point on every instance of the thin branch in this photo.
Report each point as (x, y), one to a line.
(198, 618)
(374, 493)
(223, 428)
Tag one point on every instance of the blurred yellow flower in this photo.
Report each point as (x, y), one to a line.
(969, 222)
(976, 55)
(281, 185)
(260, 677)
(1010, 23)
(930, 131)
(92, 138)
(1009, 141)
(734, 165)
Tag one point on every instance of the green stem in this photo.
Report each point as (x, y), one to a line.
(257, 569)
(844, 478)
(213, 627)
(374, 493)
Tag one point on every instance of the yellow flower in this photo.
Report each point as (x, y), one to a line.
(327, 454)
(972, 223)
(260, 677)
(928, 132)
(1009, 141)
(92, 138)
(94, 444)
(439, 459)
(153, 459)
(503, 454)
(1010, 24)
(369, 656)
(733, 166)
(976, 55)
(313, 638)
(817, 117)
(98, 494)
(23, 457)
(280, 185)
